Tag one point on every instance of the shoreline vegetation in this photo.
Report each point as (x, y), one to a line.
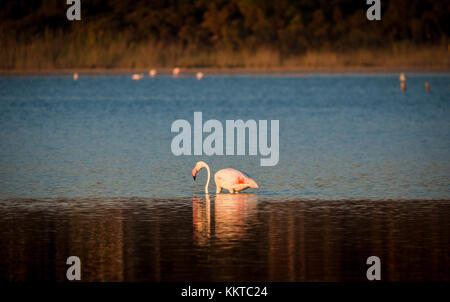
(224, 35)
(35, 59)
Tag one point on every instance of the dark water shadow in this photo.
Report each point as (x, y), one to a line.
(241, 237)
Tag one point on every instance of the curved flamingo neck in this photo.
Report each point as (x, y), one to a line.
(209, 178)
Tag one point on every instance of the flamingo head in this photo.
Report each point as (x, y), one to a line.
(198, 166)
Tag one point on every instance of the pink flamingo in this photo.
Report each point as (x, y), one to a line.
(229, 179)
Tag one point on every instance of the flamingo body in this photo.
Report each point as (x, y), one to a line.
(229, 179)
(233, 180)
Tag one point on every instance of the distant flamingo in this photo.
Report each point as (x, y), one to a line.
(75, 76)
(152, 73)
(137, 76)
(176, 71)
(402, 79)
(229, 179)
(199, 75)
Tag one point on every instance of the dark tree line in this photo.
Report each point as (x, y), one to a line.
(288, 26)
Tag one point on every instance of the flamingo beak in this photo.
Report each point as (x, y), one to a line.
(194, 173)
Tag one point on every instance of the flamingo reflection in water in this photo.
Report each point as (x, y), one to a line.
(226, 220)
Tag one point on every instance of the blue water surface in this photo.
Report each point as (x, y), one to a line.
(352, 136)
